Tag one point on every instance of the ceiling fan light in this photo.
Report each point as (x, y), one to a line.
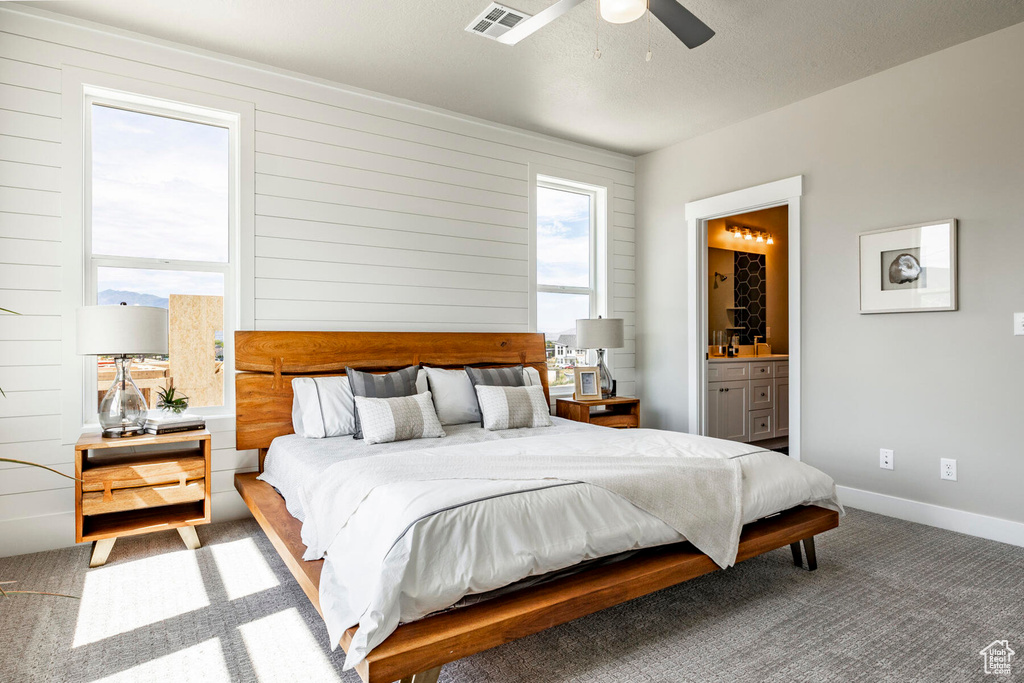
(622, 11)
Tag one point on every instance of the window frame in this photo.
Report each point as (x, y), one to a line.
(229, 269)
(598, 189)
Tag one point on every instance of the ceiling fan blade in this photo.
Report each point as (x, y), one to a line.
(681, 21)
(537, 21)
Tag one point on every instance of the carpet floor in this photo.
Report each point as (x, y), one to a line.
(890, 601)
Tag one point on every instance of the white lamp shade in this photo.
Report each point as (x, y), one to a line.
(600, 333)
(117, 330)
(622, 11)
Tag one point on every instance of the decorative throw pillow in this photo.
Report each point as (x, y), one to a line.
(322, 407)
(513, 407)
(393, 384)
(398, 419)
(508, 376)
(454, 397)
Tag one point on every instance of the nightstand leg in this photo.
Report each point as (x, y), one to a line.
(101, 551)
(189, 535)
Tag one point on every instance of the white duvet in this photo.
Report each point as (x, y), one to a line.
(410, 548)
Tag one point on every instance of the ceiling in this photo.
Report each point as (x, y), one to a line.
(766, 54)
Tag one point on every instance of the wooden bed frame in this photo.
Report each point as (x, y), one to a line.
(267, 361)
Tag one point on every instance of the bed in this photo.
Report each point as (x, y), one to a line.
(267, 361)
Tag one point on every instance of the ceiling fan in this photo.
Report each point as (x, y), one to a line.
(688, 28)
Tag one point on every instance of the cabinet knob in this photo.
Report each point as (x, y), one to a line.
(727, 388)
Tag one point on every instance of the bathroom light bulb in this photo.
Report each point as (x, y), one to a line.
(770, 240)
(760, 237)
(748, 236)
(736, 234)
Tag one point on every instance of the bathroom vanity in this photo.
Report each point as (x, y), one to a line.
(748, 397)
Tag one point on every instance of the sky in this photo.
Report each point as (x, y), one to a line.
(563, 258)
(159, 187)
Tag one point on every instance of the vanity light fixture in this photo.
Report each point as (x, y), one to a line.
(760, 237)
(736, 233)
(747, 235)
(769, 240)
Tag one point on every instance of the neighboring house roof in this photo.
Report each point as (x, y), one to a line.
(567, 340)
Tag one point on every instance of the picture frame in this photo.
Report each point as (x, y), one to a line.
(909, 269)
(587, 383)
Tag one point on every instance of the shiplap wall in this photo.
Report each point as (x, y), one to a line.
(370, 213)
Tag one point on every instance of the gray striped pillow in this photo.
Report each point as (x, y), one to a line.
(509, 376)
(513, 407)
(399, 383)
(398, 419)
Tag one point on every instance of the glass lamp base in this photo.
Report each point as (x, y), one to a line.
(123, 408)
(607, 384)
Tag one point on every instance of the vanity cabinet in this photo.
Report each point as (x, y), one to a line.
(748, 400)
(727, 410)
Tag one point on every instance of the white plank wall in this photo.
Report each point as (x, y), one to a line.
(370, 214)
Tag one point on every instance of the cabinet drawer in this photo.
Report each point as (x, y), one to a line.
(761, 370)
(160, 468)
(727, 372)
(762, 394)
(760, 425)
(119, 500)
(782, 368)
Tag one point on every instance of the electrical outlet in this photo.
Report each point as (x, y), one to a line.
(947, 469)
(1018, 324)
(886, 456)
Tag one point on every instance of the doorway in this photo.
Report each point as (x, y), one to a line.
(744, 321)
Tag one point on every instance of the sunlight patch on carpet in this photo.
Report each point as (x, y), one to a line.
(280, 645)
(200, 663)
(122, 597)
(242, 567)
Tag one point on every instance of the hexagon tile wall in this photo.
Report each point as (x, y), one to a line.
(749, 292)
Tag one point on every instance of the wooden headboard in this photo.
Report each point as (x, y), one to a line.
(266, 362)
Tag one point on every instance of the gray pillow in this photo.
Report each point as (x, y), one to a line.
(508, 376)
(398, 419)
(393, 384)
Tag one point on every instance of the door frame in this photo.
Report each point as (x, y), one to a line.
(785, 192)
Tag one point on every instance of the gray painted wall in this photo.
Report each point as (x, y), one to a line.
(939, 137)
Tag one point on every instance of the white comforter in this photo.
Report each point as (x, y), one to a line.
(413, 547)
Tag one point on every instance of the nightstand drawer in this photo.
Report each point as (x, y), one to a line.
(617, 420)
(137, 498)
(131, 471)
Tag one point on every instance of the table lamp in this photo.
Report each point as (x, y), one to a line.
(119, 331)
(601, 333)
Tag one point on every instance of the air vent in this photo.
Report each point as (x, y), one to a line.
(495, 21)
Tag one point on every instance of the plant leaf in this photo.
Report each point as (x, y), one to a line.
(35, 464)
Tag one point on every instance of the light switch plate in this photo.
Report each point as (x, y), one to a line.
(1018, 324)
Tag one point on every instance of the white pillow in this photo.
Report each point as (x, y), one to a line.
(398, 419)
(324, 406)
(454, 397)
(513, 407)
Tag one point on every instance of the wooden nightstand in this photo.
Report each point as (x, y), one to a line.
(140, 484)
(620, 412)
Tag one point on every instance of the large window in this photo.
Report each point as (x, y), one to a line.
(160, 232)
(567, 271)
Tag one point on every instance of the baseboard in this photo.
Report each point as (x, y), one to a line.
(970, 523)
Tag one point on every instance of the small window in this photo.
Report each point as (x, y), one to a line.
(566, 272)
(159, 233)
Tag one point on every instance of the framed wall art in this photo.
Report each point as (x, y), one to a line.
(909, 269)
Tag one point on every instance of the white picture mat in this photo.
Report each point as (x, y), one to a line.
(937, 244)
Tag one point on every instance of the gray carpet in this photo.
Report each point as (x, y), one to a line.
(890, 601)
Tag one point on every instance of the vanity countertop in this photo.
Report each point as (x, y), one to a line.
(747, 359)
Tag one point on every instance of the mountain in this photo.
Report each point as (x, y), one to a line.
(112, 297)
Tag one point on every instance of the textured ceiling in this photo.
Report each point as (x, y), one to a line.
(766, 54)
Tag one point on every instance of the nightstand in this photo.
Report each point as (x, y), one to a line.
(620, 412)
(140, 484)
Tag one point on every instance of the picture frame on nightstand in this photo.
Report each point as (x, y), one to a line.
(587, 383)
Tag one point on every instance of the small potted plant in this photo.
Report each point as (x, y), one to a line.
(170, 400)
